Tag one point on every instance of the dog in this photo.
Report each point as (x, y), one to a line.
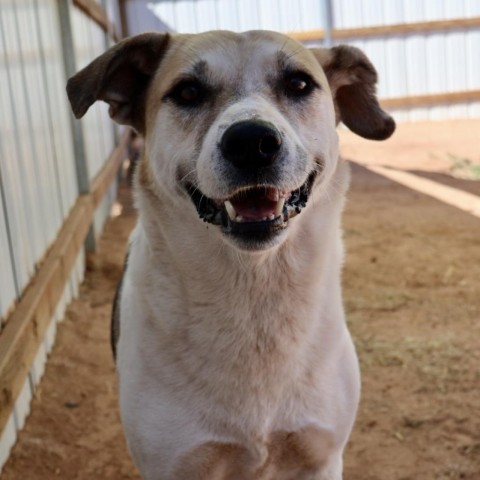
(232, 351)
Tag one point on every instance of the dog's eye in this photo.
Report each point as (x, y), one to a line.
(188, 93)
(298, 84)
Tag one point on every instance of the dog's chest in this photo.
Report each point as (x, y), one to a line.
(283, 456)
(238, 344)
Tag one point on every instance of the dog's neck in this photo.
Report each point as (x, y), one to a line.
(204, 265)
(239, 313)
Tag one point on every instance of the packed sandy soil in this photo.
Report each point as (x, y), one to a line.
(411, 289)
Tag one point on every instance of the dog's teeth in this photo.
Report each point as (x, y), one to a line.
(239, 218)
(230, 210)
(279, 207)
(271, 217)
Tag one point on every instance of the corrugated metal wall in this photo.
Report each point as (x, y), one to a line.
(409, 64)
(38, 183)
(98, 130)
(420, 63)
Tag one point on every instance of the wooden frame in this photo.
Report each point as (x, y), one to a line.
(25, 328)
(93, 10)
(389, 30)
(431, 99)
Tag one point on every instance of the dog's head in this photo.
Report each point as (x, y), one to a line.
(242, 127)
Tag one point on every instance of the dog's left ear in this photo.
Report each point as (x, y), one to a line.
(120, 77)
(352, 79)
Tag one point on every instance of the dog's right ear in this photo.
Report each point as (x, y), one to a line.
(120, 77)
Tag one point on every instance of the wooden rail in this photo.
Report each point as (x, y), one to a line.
(431, 99)
(28, 323)
(93, 10)
(389, 30)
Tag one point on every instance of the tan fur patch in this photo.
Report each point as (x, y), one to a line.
(289, 456)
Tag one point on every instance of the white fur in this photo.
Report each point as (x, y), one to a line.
(220, 344)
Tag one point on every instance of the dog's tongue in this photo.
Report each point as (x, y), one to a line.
(256, 204)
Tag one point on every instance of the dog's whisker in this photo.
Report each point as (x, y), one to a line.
(191, 172)
(295, 52)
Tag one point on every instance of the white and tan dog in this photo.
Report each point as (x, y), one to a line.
(233, 354)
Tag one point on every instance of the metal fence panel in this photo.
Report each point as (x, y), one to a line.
(90, 42)
(420, 63)
(38, 176)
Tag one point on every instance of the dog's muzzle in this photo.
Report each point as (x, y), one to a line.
(251, 148)
(256, 209)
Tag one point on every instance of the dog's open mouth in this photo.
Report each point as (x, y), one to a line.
(253, 209)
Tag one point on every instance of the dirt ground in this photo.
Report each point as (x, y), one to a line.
(411, 290)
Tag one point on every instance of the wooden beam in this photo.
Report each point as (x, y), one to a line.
(93, 10)
(431, 99)
(26, 326)
(389, 30)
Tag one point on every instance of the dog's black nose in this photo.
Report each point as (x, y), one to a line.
(251, 144)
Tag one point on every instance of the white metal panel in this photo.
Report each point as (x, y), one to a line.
(206, 15)
(42, 159)
(62, 306)
(454, 8)
(185, 16)
(7, 274)
(375, 51)
(352, 14)
(7, 279)
(311, 12)
(393, 12)
(248, 15)
(166, 12)
(50, 336)
(7, 439)
(98, 46)
(414, 11)
(13, 189)
(472, 40)
(37, 168)
(291, 20)
(58, 107)
(38, 368)
(103, 211)
(77, 274)
(472, 8)
(409, 64)
(26, 115)
(83, 56)
(89, 43)
(22, 405)
(372, 12)
(193, 16)
(227, 16)
(395, 80)
(436, 71)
